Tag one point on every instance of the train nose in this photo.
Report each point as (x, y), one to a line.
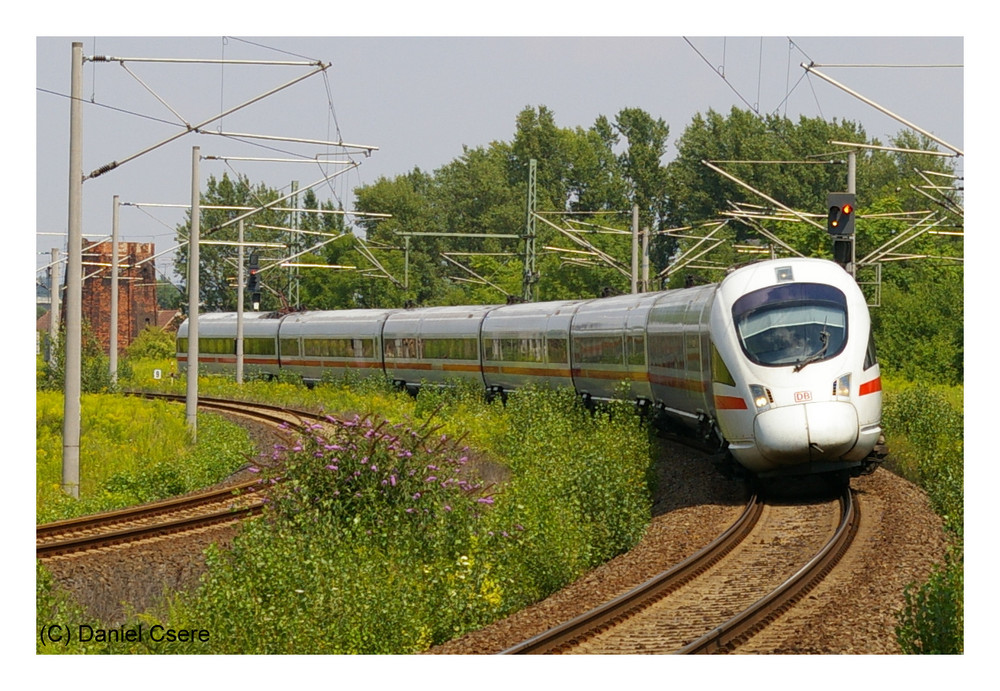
(811, 431)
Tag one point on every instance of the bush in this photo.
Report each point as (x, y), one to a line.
(383, 526)
(390, 538)
(933, 620)
(152, 343)
(95, 370)
(925, 428)
(926, 436)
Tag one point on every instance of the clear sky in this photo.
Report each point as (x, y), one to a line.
(419, 100)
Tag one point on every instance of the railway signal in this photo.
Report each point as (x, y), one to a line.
(253, 281)
(840, 220)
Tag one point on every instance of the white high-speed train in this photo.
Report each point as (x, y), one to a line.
(776, 362)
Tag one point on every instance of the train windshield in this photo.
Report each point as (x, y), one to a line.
(791, 324)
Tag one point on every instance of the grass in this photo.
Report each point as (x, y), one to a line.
(392, 535)
(131, 451)
(925, 430)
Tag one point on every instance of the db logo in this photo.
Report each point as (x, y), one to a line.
(803, 396)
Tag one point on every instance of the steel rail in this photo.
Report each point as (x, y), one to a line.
(640, 597)
(132, 513)
(768, 608)
(49, 531)
(144, 532)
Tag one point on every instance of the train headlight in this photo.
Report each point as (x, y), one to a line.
(761, 396)
(842, 387)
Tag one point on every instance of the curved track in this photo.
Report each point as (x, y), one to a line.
(721, 596)
(170, 516)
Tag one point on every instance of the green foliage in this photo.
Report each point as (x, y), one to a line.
(95, 369)
(924, 428)
(919, 327)
(933, 619)
(54, 606)
(131, 451)
(218, 272)
(152, 343)
(389, 538)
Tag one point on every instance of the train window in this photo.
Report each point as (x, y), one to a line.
(557, 350)
(692, 358)
(289, 347)
(450, 348)
(636, 354)
(871, 359)
(338, 347)
(217, 346)
(667, 350)
(401, 348)
(525, 349)
(791, 324)
(720, 373)
(258, 346)
(604, 350)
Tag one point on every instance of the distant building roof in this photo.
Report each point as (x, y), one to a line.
(169, 319)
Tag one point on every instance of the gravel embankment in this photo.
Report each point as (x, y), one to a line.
(851, 612)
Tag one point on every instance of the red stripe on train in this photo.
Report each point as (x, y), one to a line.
(730, 403)
(870, 387)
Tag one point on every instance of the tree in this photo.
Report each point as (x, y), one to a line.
(152, 343)
(410, 201)
(218, 262)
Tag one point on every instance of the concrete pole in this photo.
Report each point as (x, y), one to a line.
(635, 249)
(406, 262)
(852, 173)
(194, 289)
(113, 327)
(645, 260)
(55, 292)
(239, 308)
(74, 283)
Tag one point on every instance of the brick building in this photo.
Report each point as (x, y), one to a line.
(137, 306)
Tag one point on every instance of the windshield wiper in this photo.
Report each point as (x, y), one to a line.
(824, 336)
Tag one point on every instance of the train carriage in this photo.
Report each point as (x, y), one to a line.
(434, 345)
(528, 344)
(317, 343)
(608, 347)
(217, 342)
(680, 355)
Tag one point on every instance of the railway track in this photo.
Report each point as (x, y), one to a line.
(148, 521)
(718, 598)
(170, 516)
